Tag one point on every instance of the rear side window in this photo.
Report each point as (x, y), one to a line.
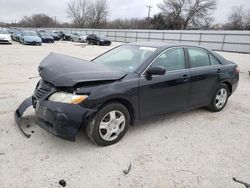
(172, 59)
(198, 57)
(213, 60)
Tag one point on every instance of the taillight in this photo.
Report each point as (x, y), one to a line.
(237, 70)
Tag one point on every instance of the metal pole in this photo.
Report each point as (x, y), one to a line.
(223, 42)
(149, 9)
(200, 39)
(105, 19)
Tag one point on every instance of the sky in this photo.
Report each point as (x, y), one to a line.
(14, 10)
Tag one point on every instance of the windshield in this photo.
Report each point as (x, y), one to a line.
(81, 34)
(2, 31)
(29, 33)
(125, 58)
(44, 34)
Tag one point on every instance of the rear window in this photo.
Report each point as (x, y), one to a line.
(198, 57)
(213, 60)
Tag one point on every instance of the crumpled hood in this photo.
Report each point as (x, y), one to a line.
(67, 71)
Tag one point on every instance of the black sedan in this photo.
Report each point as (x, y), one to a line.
(46, 38)
(127, 84)
(65, 35)
(93, 39)
(55, 35)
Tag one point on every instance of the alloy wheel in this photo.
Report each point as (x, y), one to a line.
(221, 98)
(111, 125)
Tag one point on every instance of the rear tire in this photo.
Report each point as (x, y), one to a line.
(109, 125)
(219, 99)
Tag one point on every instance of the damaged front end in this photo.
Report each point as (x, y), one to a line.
(19, 112)
(59, 106)
(61, 119)
(41, 92)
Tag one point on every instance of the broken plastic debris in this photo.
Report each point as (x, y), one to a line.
(62, 183)
(241, 182)
(128, 170)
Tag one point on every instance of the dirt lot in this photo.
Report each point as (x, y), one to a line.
(192, 149)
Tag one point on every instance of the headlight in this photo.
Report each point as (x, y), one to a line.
(69, 98)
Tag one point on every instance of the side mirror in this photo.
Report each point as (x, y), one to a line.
(156, 71)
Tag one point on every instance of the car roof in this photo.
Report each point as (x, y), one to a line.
(163, 44)
(150, 44)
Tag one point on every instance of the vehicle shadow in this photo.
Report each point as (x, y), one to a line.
(167, 118)
(7, 44)
(82, 140)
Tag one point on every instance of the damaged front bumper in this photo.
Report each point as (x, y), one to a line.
(19, 112)
(60, 119)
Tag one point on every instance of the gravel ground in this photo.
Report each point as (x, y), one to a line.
(191, 149)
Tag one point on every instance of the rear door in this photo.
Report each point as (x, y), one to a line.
(165, 93)
(205, 72)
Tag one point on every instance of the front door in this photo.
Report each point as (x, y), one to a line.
(165, 93)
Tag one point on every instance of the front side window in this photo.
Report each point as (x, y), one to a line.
(198, 57)
(172, 59)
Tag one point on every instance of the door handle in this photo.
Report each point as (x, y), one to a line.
(219, 71)
(185, 77)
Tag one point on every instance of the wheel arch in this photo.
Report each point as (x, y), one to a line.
(229, 85)
(124, 102)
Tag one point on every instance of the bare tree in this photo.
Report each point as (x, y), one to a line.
(237, 19)
(132, 23)
(247, 20)
(97, 13)
(186, 12)
(37, 20)
(77, 11)
(160, 21)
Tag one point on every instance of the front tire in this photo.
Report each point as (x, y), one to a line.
(109, 125)
(220, 98)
